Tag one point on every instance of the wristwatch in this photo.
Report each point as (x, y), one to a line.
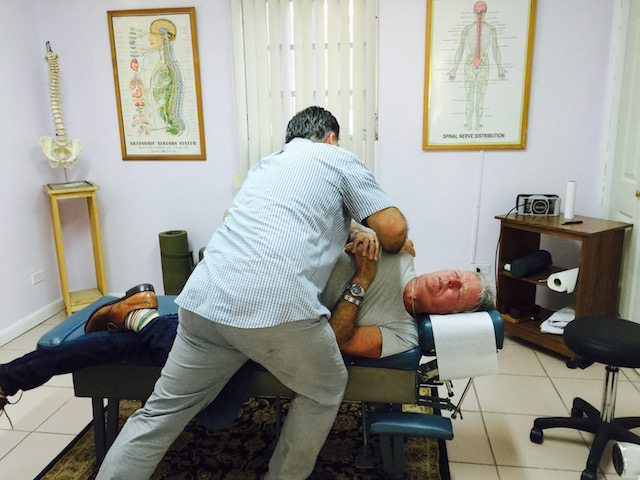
(356, 290)
(351, 299)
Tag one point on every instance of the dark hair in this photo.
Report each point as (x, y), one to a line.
(313, 123)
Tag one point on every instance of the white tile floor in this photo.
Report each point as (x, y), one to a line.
(45, 420)
(491, 441)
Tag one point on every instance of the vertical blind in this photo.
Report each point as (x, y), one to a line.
(291, 54)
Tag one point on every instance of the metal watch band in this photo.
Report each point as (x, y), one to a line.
(351, 299)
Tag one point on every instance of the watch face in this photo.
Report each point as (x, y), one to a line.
(356, 289)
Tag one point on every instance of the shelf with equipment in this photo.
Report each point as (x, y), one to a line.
(596, 291)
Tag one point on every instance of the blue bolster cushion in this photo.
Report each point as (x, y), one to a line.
(410, 424)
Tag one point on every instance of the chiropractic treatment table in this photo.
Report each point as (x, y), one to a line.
(394, 380)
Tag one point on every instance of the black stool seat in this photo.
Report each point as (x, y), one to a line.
(605, 339)
(615, 343)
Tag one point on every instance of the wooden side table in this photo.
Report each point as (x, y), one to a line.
(74, 301)
(596, 291)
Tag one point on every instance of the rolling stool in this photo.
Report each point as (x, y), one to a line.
(615, 343)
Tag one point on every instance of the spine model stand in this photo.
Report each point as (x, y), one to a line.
(59, 151)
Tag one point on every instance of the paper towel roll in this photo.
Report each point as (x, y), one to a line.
(465, 345)
(626, 459)
(564, 281)
(570, 201)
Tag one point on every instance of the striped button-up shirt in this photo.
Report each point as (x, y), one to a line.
(269, 261)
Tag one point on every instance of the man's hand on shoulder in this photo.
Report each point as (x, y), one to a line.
(365, 242)
(408, 248)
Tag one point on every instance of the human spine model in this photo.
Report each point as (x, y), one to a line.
(59, 151)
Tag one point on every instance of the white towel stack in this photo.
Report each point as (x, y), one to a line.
(558, 320)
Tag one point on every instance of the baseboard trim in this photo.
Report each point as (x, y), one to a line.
(32, 320)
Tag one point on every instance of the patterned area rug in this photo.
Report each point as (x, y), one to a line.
(243, 451)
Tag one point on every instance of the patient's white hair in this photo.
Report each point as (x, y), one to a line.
(487, 297)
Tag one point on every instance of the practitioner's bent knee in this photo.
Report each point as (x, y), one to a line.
(336, 388)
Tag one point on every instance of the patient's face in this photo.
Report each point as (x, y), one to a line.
(446, 291)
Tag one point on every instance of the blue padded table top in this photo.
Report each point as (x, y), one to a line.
(410, 424)
(73, 326)
(400, 361)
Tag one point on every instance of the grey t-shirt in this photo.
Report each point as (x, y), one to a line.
(382, 305)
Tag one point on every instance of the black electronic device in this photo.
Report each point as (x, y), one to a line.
(538, 204)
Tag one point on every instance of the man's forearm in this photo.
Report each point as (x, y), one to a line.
(343, 315)
(390, 227)
(343, 321)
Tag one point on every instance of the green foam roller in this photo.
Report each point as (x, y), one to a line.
(177, 261)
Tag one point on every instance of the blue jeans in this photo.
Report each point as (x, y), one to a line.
(149, 347)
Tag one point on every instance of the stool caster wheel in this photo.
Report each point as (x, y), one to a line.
(576, 413)
(588, 475)
(536, 435)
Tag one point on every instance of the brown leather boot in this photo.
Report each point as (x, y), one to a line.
(111, 316)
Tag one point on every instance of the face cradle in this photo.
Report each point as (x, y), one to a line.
(445, 291)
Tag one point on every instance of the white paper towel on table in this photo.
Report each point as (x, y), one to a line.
(465, 345)
(564, 281)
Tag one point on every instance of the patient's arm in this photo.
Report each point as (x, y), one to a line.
(361, 341)
(391, 228)
(366, 342)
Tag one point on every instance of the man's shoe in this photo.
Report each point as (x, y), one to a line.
(111, 316)
(4, 401)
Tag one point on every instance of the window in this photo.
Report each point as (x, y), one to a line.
(291, 54)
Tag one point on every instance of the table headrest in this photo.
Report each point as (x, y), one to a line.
(425, 331)
(409, 360)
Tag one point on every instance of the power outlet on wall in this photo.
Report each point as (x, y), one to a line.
(37, 277)
(483, 268)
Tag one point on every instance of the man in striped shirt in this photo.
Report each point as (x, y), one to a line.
(255, 296)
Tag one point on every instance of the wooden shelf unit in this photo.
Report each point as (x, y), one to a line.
(74, 301)
(596, 291)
